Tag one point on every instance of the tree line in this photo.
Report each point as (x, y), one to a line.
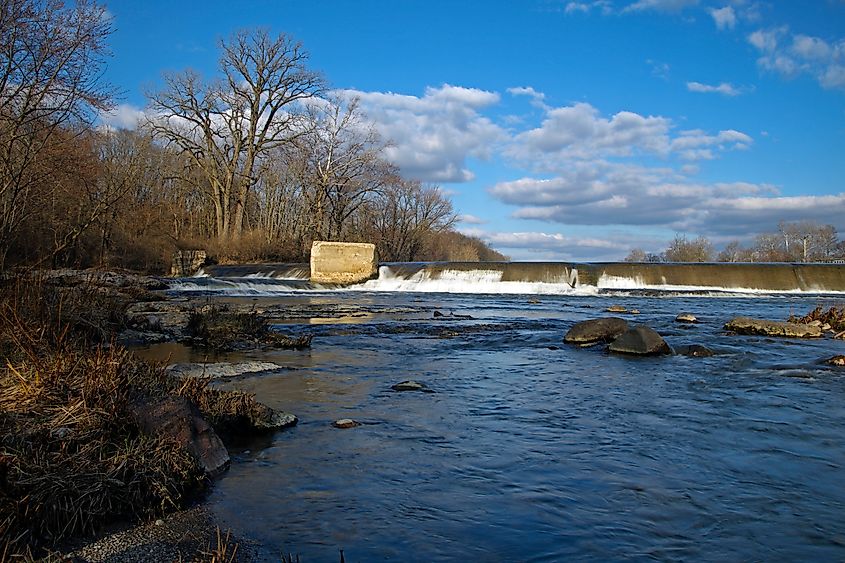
(803, 241)
(253, 164)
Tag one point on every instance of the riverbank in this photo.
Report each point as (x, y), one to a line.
(91, 435)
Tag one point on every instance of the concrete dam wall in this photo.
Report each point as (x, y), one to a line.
(622, 275)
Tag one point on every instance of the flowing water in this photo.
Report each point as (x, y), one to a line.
(528, 449)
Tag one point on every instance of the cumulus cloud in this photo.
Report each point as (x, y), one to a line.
(537, 98)
(433, 135)
(793, 54)
(580, 133)
(557, 246)
(468, 219)
(724, 88)
(122, 116)
(616, 194)
(725, 18)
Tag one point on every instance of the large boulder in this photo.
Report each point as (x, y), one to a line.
(640, 341)
(596, 330)
(745, 325)
(176, 418)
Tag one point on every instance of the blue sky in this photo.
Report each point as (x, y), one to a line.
(563, 130)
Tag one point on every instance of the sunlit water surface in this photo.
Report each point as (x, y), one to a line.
(531, 450)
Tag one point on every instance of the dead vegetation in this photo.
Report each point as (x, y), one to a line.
(71, 455)
(220, 329)
(834, 316)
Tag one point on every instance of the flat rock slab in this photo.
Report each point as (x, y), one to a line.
(221, 370)
(640, 341)
(596, 330)
(745, 325)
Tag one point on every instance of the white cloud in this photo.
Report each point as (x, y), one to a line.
(560, 247)
(798, 54)
(613, 194)
(724, 88)
(537, 98)
(468, 219)
(580, 133)
(604, 6)
(725, 18)
(660, 5)
(123, 116)
(432, 136)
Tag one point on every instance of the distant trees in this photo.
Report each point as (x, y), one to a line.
(682, 249)
(804, 241)
(252, 164)
(51, 63)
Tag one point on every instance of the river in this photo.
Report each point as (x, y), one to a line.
(529, 449)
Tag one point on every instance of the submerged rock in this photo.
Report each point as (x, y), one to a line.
(745, 325)
(686, 318)
(695, 351)
(616, 309)
(411, 385)
(596, 330)
(345, 423)
(640, 341)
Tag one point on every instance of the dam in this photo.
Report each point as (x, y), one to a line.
(536, 277)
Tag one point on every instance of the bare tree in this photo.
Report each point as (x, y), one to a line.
(226, 127)
(636, 255)
(683, 250)
(340, 164)
(405, 215)
(51, 61)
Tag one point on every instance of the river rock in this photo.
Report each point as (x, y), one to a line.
(221, 370)
(596, 330)
(176, 418)
(616, 309)
(411, 385)
(694, 351)
(266, 418)
(345, 423)
(745, 325)
(836, 361)
(640, 341)
(686, 318)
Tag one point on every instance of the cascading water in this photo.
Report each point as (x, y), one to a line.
(538, 278)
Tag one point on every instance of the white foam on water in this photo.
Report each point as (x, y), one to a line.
(478, 281)
(607, 282)
(466, 281)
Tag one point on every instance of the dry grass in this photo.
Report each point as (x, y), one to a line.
(70, 457)
(220, 329)
(835, 317)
